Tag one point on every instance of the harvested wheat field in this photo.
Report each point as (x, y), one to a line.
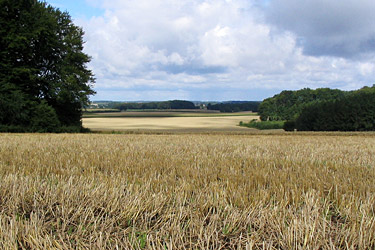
(179, 123)
(187, 191)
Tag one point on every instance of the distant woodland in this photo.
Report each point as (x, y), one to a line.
(231, 106)
(234, 106)
(322, 109)
(175, 104)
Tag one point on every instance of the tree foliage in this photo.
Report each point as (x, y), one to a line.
(175, 104)
(43, 75)
(289, 104)
(355, 112)
(263, 125)
(234, 106)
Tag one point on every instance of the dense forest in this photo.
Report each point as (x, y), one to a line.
(175, 104)
(44, 81)
(289, 104)
(322, 109)
(235, 106)
(354, 112)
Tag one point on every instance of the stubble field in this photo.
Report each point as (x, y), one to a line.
(187, 191)
(167, 121)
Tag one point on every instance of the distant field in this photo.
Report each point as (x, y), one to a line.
(156, 113)
(98, 110)
(190, 191)
(167, 121)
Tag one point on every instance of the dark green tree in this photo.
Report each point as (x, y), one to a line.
(235, 106)
(355, 112)
(44, 119)
(289, 104)
(42, 66)
(175, 104)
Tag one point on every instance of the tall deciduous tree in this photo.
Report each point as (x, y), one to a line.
(42, 66)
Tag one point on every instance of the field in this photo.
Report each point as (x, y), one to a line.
(167, 121)
(187, 191)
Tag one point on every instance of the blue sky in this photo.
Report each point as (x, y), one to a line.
(78, 9)
(224, 49)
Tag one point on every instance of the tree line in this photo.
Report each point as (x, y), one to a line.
(322, 109)
(288, 105)
(235, 106)
(175, 104)
(44, 81)
(354, 112)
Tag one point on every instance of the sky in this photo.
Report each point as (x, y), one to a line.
(219, 50)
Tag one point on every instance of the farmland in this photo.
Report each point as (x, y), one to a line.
(187, 191)
(167, 121)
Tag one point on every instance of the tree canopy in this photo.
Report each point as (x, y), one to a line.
(235, 106)
(289, 104)
(175, 104)
(44, 80)
(322, 109)
(355, 112)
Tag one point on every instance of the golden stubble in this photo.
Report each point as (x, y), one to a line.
(187, 191)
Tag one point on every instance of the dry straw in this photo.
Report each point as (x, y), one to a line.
(187, 191)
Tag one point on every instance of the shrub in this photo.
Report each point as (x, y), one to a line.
(263, 125)
(289, 125)
(12, 129)
(44, 119)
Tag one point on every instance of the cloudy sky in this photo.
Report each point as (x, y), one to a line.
(224, 49)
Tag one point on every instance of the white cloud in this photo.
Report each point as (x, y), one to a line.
(367, 69)
(344, 28)
(206, 48)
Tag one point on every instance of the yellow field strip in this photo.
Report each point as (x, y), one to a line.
(168, 123)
